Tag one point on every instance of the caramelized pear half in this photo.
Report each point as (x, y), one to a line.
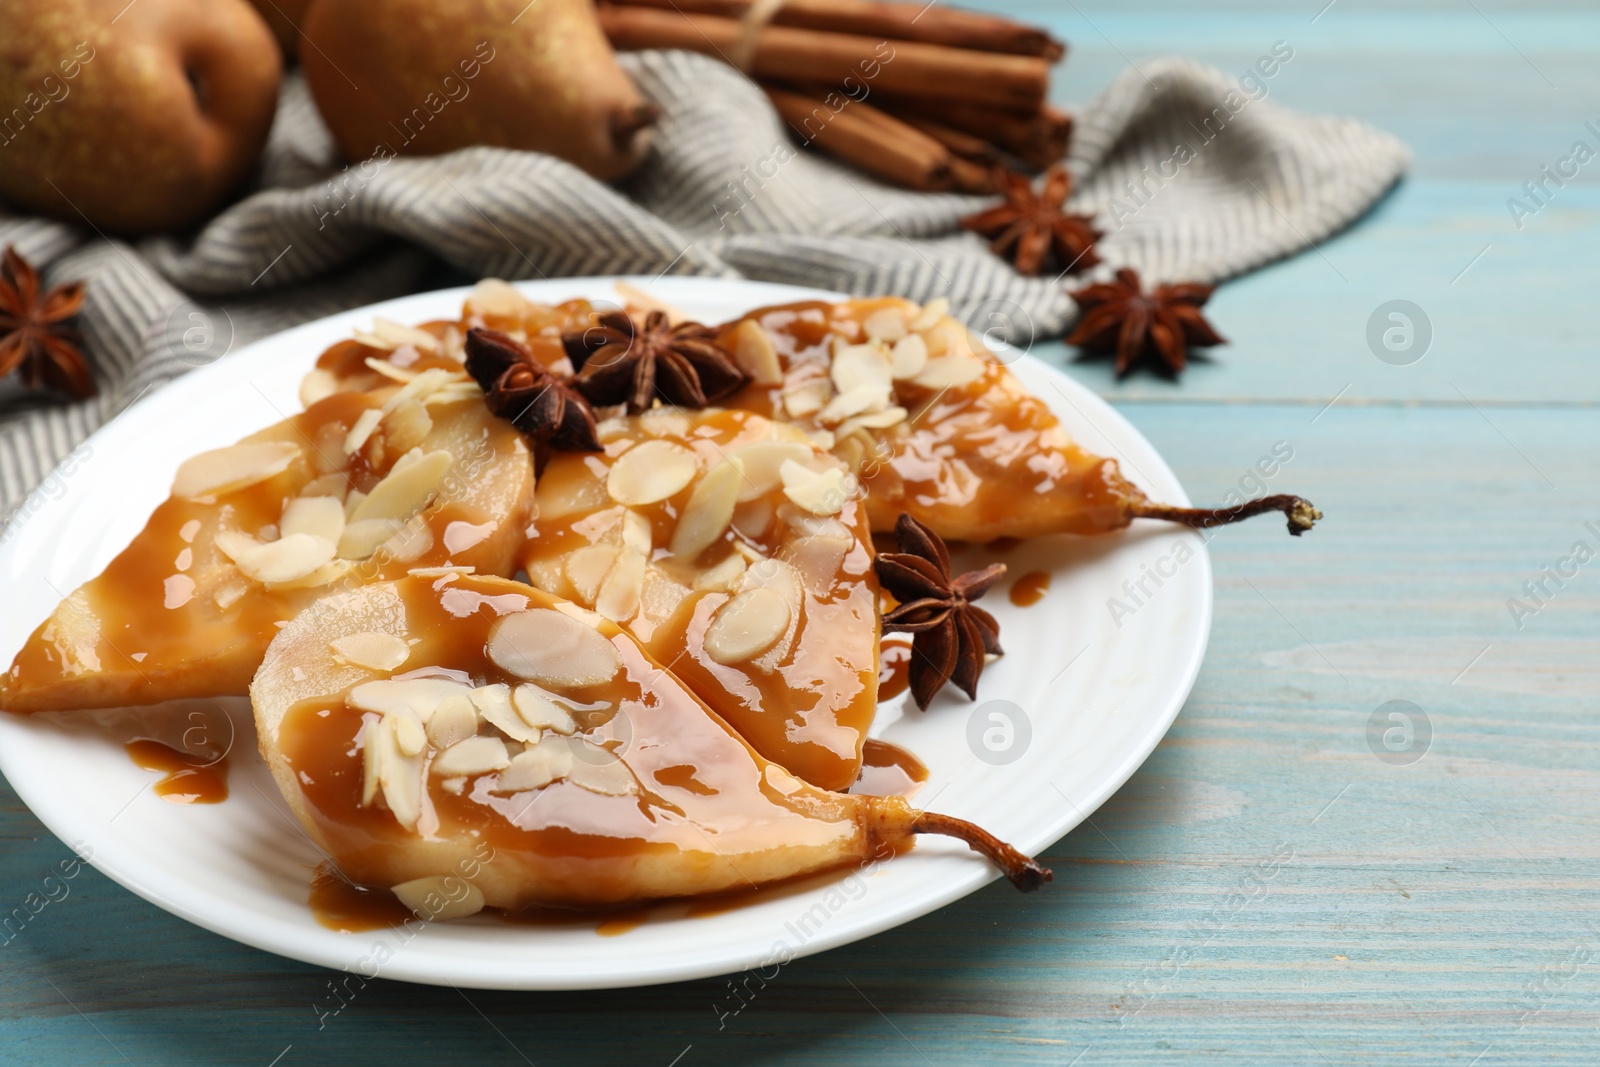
(491, 735)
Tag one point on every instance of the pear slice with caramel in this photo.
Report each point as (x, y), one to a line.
(937, 426)
(359, 487)
(738, 553)
(519, 750)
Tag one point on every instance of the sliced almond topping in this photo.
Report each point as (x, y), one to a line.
(636, 532)
(567, 490)
(869, 396)
(318, 384)
(407, 488)
(908, 357)
(474, 756)
(352, 500)
(224, 470)
(722, 578)
(754, 352)
(885, 324)
(334, 485)
(818, 557)
(454, 719)
(636, 297)
(933, 311)
(409, 736)
(536, 767)
(806, 397)
(440, 572)
(284, 560)
(874, 420)
(319, 516)
(329, 572)
(664, 422)
(440, 898)
(857, 365)
(422, 387)
(400, 775)
(397, 696)
(819, 492)
(371, 649)
(620, 592)
(494, 705)
(538, 710)
(543, 645)
(587, 567)
(371, 761)
(407, 426)
(389, 335)
(491, 296)
(389, 370)
(752, 519)
(747, 626)
(709, 510)
(364, 537)
(227, 596)
(760, 463)
(949, 372)
(599, 770)
(651, 471)
(411, 541)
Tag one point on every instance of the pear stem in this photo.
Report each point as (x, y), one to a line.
(625, 126)
(1297, 509)
(1024, 873)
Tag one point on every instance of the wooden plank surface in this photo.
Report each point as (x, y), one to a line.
(1266, 889)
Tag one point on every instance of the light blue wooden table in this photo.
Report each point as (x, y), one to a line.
(1443, 911)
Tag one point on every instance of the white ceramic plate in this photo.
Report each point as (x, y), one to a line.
(1082, 698)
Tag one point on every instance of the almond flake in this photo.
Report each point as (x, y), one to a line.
(364, 537)
(930, 315)
(722, 578)
(747, 626)
(284, 560)
(754, 352)
(760, 463)
(440, 572)
(474, 756)
(334, 485)
(389, 335)
(599, 770)
(885, 324)
(546, 646)
(412, 482)
(875, 420)
(440, 898)
(538, 710)
(948, 372)
(491, 296)
(494, 705)
(587, 567)
(318, 384)
(371, 649)
(454, 719)
(409, 736)
(806, 397)
(857, 365)
(637, 532)
(224, 470)
(867, 397)
(636, 297)
(819, 492)
(620, 592)
(407, 426)
(389, 370)
(651, 471)
(709, 509)
(319, 516)
(908, 356)
(536, 767)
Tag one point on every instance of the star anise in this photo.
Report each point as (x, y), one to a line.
(622, 363)
(1164, 324)
(952, 634)
(524, 392)
(34, 337)
(1031, 225)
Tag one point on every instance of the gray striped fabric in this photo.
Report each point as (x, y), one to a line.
(1190, 178)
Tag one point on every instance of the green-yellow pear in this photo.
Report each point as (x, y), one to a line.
(134, 118)
(420, 77)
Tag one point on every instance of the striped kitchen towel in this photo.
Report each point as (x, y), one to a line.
(1192, 173)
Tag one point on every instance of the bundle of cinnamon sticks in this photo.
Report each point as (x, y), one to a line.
(953, 94)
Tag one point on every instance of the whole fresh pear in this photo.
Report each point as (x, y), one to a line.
(133, 117)
(421, 77)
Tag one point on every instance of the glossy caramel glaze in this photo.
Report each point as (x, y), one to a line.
(340, 904)
(807, 708)
(889, 770)
(894, 668)
(707, 814)
(976, 461)
(172, 616)
(1030, 588)
(189, 779)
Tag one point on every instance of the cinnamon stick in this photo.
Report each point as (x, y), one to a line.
(783, 53)
(878, 143)
(928, 23)
(1038, 138)
(961, 143)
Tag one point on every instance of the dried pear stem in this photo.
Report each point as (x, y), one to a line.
(626, 125)
(1299, 511)
(1024, 873)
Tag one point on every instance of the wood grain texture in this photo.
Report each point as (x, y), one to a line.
(1265, 890)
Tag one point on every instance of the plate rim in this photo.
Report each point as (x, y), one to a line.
(424, 969)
